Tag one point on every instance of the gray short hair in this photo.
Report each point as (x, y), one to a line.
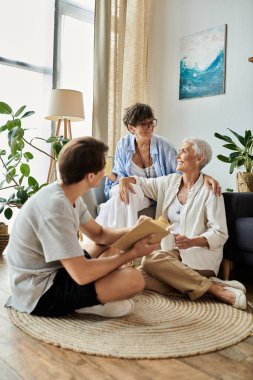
(201, 147)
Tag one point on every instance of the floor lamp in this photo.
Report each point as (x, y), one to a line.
(64, 106)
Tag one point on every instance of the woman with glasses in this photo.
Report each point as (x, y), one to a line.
(140, 153)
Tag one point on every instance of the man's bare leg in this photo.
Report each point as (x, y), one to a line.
(119, 285)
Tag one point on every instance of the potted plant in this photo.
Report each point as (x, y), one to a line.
(241, 156)
(14, 162)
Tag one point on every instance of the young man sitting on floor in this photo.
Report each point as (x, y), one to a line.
(50, 273)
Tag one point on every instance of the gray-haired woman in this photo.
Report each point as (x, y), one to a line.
(189, 258)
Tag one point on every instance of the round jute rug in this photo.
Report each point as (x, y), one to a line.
(160, 327)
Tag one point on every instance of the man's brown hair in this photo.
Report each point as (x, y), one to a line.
(79, 157)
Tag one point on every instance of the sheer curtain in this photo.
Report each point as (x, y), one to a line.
(120, 64)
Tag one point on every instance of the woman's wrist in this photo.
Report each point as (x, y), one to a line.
(200, 241)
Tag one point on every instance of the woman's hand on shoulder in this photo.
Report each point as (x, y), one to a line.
(125, 185)
(211, 183)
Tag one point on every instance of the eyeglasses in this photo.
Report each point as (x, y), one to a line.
(146, 124)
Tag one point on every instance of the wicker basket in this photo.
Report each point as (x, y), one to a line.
(4, 237)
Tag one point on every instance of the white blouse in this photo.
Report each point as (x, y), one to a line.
(175, 211)
(135, 170)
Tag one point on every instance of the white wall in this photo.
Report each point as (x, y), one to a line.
(201, 117)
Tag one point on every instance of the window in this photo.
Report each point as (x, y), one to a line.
(45, 44)
(26, 65)
(75, 55)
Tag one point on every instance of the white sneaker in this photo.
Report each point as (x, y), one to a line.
(111, 309)
(233, 284)
(240, 298)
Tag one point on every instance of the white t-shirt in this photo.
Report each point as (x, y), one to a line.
(44, 232)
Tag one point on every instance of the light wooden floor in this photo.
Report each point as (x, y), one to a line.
(23, 357)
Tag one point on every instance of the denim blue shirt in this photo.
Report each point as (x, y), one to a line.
(162, 152)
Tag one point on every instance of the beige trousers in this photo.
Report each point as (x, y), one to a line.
(166, 274)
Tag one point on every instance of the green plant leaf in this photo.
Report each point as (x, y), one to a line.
(248, 134)
(22, 194)
(19, 111)
(20, 145)
(8, 213)
(16, 157)
(232, 167)
(234, 155)
(223, 137)
(15, 201)
(65, 141)
(52, 139)
(4, 127)
(13, 133)
(21, 179)
(240, 162)
(3, 200)
(38, 138)
(28, 156)
(13, 145)
(32, 182)
(10, 124)
(25, 169)
(2, 152)
(11, 170)
(5, 108)
(223, 158)
(230, 146)
(1, 209)
(57, 148)
(239, 137)
(28, 113)
(11, 197)
(17, 122)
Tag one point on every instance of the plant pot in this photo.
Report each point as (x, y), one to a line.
(244, 182)
(4, 237)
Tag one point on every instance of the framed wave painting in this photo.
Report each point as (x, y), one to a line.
(202, 63)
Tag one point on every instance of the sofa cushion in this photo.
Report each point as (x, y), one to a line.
(244, 233)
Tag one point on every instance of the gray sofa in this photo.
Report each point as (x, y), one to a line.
(239, 246)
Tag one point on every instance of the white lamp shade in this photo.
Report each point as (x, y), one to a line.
(65, 104)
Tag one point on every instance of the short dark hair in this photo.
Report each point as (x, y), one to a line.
(79, 157)
(137, 113)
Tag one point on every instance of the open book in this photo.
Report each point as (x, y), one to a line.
(160, 227)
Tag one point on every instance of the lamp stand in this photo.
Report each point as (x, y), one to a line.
(67, 134)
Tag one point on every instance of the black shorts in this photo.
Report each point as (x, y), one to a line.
(65, 296)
